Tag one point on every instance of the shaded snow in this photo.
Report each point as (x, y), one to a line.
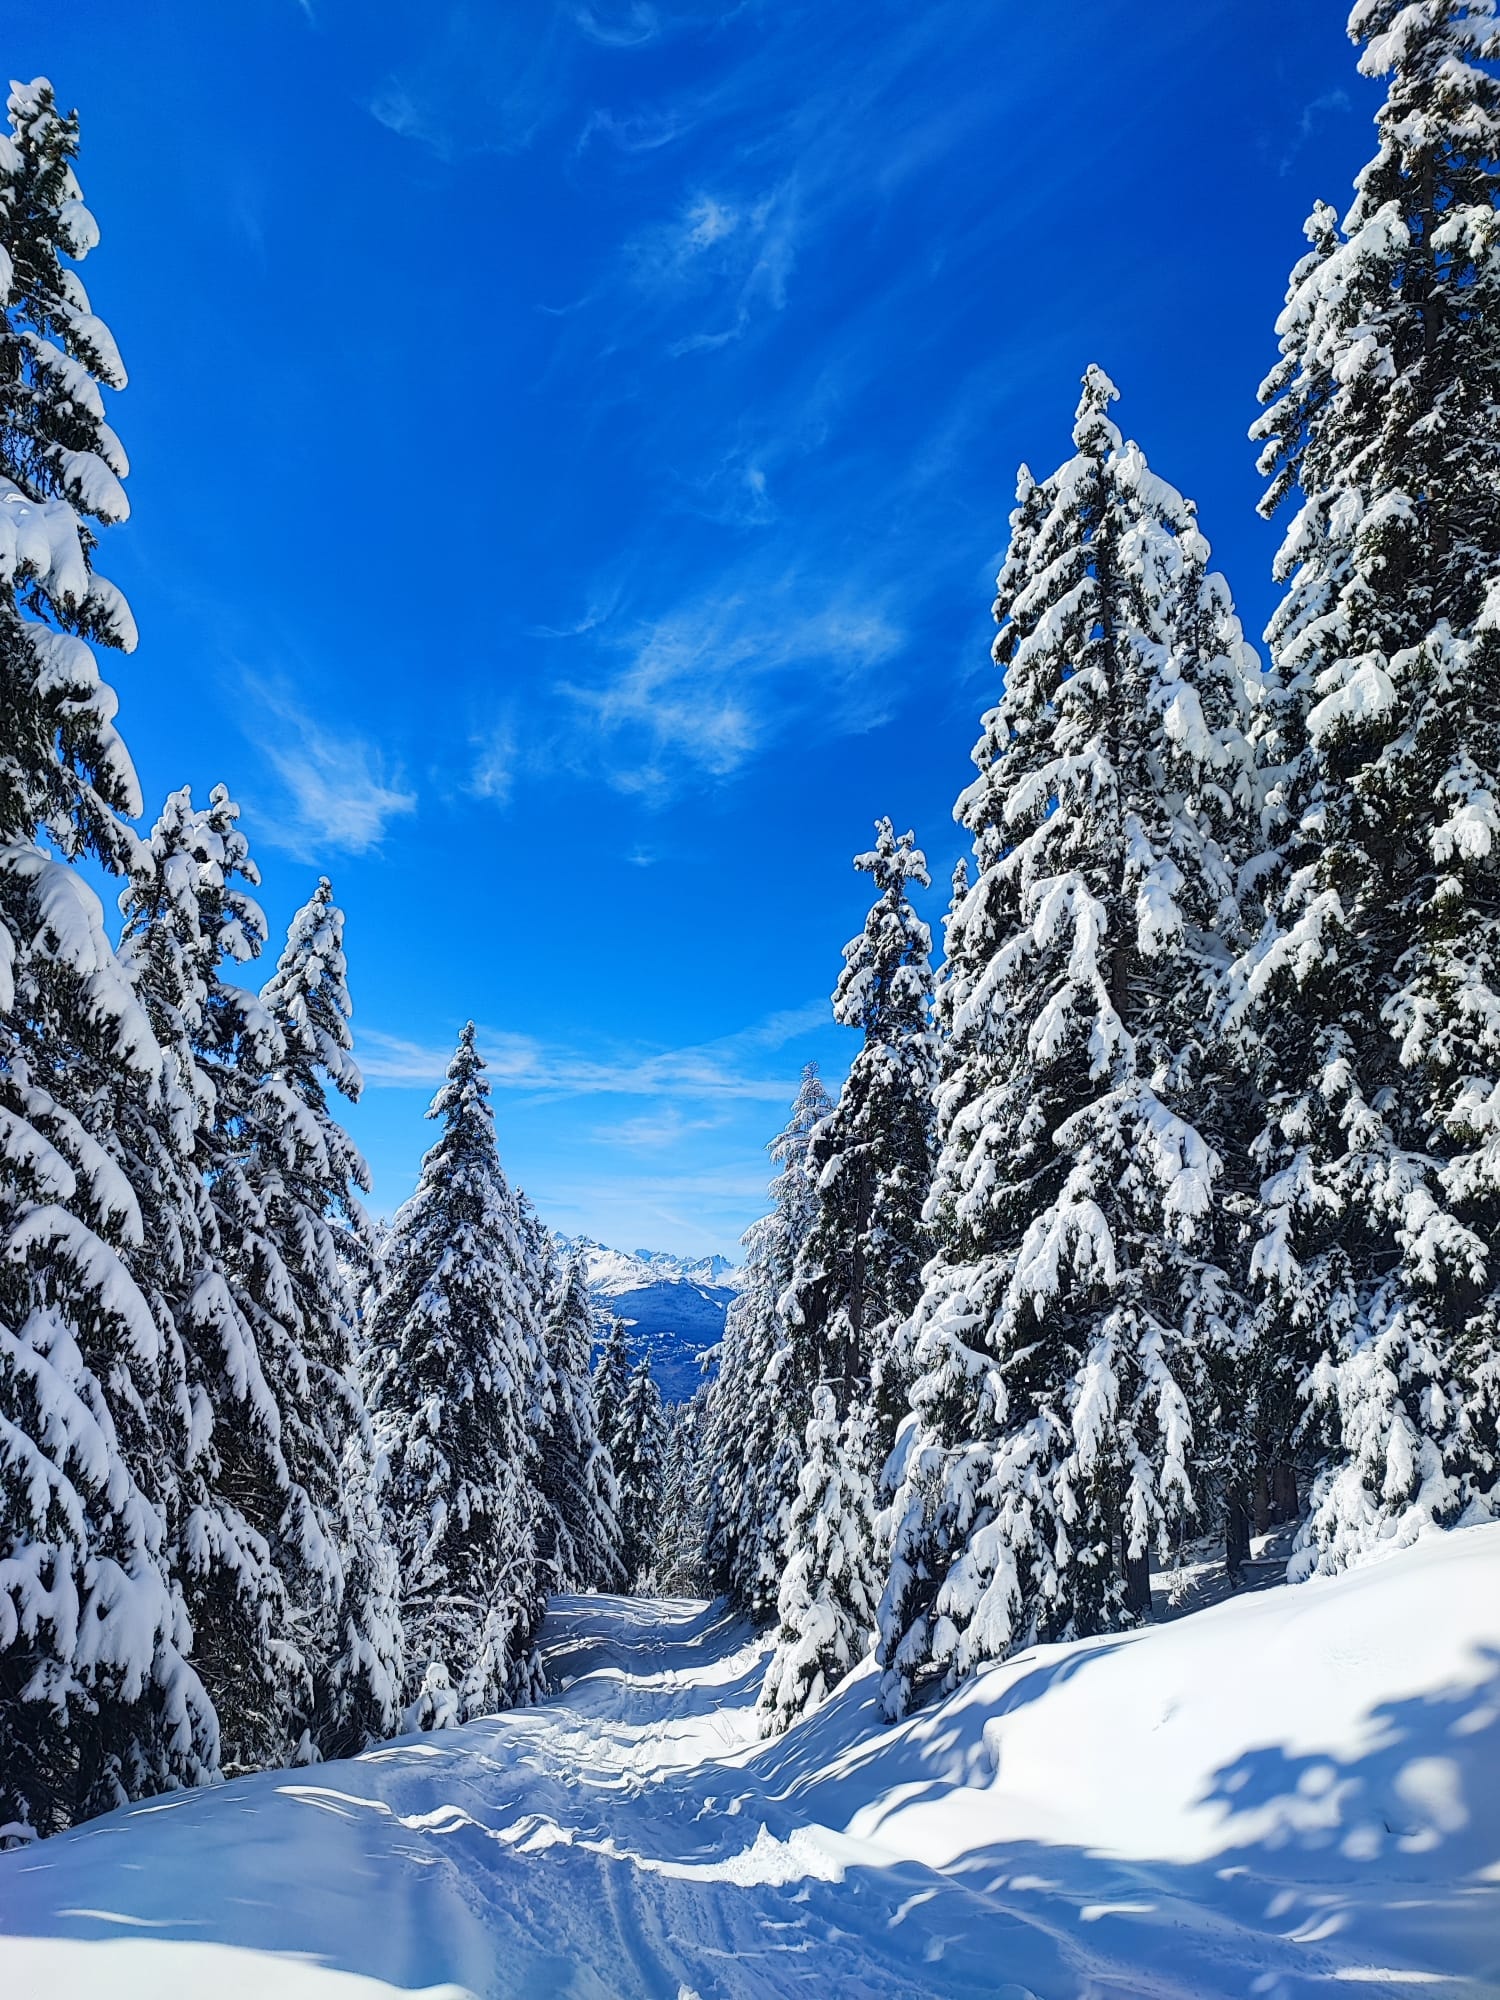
(1282, 1795)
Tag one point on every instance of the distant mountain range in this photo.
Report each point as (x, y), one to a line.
(674, 1306)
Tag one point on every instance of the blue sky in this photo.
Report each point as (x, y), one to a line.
(572, 448)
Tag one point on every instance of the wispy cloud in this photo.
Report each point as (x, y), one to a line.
(787, 1024)
(395, 107)
(634, 132)
(804, 131)
(1313, 114)
(655, 1131)
(627, 27)
(735, 251)
(706, 684)
(479, 79)
(493, 772)
(722, 1070)
(600, 611)
(338, 793)
(692, 1212)
(701, 648)
(737, 490)
(709, 221)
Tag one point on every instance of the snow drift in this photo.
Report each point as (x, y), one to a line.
(1284, 1795)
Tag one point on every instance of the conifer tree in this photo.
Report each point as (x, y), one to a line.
(858, 1275)
(755, 1442)
(309, 1175)
(826, 1605)
(637, 1454)
(677, 1548)
(856, 1279)
(97, 1702)
(453, 1355)
(1374, 992)
(611, 1380)
(61, 466)
(262, 1159)
(581, 1530)
(184, 914)
(1059, 1348)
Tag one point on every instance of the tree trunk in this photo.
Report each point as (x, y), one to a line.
(1136, 1571)
(854, 1342)
(1262, 1501)
(1236, 1533)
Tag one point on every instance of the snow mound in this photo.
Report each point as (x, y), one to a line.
(1284, 1795)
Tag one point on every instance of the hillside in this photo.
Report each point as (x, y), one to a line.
(674, 1306)
(1284, 1795)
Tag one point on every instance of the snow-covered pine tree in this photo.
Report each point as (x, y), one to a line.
(637, 1451)
(256, 1620)
(611, 1379)
(856, 1279)
(97, 1703)
(62, 465)
(308, 1175)
(754, 1441)
(1375, 990)
(580, 1546)
(826, 1605)
(184, 914)
(1059, 1346)
(453, 1357)
(677, 1550)
(858, 1275)
(260, 1166)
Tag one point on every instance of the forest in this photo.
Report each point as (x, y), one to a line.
(1164, 1201)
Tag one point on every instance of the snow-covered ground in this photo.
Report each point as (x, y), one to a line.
(1295, 1793)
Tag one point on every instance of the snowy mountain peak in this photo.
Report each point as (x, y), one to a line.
(610, 1272)
(674, 1306)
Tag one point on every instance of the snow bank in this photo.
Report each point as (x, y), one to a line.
(1338, 1717)
(1285, 1795)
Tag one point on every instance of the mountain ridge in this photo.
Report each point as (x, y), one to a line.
(674, 1306)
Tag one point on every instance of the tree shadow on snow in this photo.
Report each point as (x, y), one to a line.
(736, 1878)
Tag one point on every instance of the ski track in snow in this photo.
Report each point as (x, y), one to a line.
(1293, 1794)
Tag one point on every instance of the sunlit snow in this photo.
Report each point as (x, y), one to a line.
(1280, 1795)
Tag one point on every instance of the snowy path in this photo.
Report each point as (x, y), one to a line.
(1289, 1795)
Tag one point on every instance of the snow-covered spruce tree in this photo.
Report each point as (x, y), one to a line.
(265, 1158)
(267, 1545)
(453, 1354)
(754, 1440)
(1058, 1350)
(308, 1174)
(97, 1703)
(637, 1452)
(1375, 989)
(677, 1548)
(856, 1279)
(580, 1546)
(184, 914)
(858, 1275)
(826, 1605)
(611, 1379)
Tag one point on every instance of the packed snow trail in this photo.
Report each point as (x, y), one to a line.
(1291, 1794)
